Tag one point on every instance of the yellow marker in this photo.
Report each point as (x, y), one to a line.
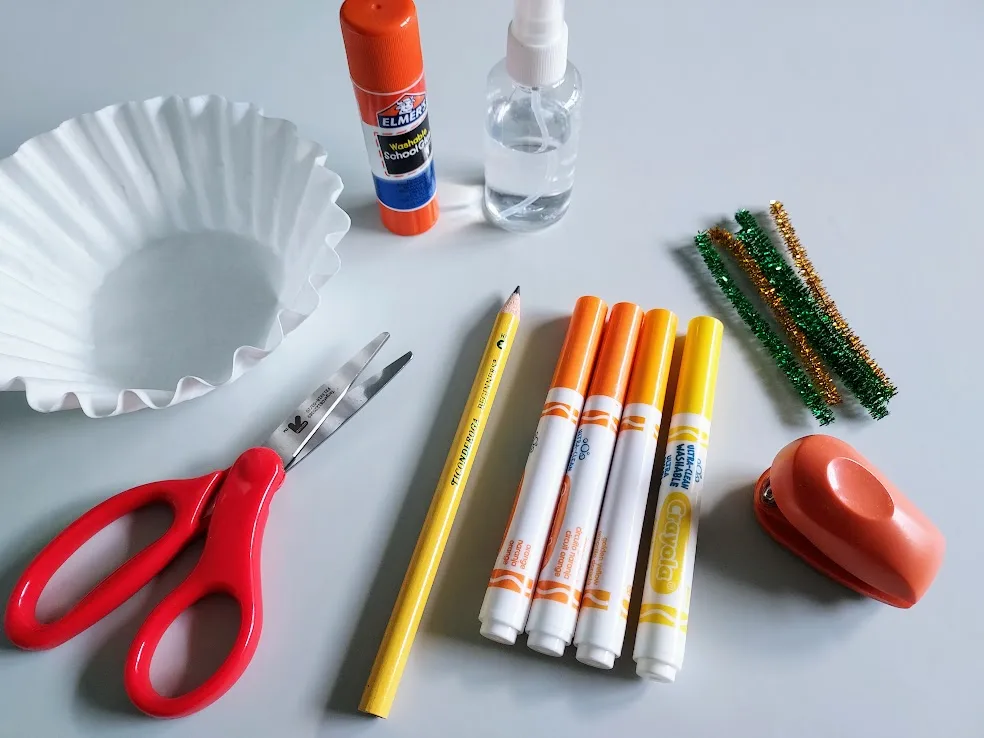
(377, 699)
(662, 633)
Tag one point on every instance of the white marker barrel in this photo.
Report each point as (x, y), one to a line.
(608, 588)
(507, 598)
(664, 616)
(557, 595)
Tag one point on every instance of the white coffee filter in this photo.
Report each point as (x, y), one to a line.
(155, 250)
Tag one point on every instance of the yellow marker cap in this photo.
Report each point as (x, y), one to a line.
(699, 367)
(651, 364)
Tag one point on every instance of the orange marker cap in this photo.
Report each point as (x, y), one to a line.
(382, 42)
(651, 365)
(618, 343)
(577, 355)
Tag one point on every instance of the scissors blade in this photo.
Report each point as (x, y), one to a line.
(299, 428)
(354, 401)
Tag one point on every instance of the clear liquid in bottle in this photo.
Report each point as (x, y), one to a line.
(531, 137)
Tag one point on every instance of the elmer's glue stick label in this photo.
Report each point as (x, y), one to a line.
(382, 45)
(398, 139)
(557, 595)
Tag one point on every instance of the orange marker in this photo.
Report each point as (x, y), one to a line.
(604, 607)
(510, 590)
(557, 596)
(382, 43)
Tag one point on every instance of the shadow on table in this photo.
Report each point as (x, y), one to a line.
(732, 542)
(14, 408)
(778, 604)
(460, 193)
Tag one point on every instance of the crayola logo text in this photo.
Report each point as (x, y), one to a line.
(672, 533)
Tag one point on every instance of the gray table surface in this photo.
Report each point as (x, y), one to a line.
(864, 118)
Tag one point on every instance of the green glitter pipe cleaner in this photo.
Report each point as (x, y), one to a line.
(812, 319)
(780, 352)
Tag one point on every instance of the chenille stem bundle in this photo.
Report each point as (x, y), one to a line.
(810, 317)
(809, 358)
(777, 348)
(818, 343)
(813, 282)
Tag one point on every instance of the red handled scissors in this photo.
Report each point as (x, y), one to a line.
(230, 508)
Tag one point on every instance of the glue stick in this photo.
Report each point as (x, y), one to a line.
(507, 598)
(557, 594)
(608, 589)
(382, 44)
(662, 632)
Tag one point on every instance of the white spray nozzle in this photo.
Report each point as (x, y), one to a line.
(538, 22)
(536, 48)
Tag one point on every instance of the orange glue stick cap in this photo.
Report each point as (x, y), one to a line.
(618, 343)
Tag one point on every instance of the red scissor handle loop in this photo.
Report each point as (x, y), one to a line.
(187, 499)
(229, 565)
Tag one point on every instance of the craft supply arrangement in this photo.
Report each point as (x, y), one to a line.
(611, 441)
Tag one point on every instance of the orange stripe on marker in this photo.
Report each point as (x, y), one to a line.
(557, 405)
(560, 597)
(556, 591)
(520, 579)
(506, 584)
(560, 410)
(599, 417)
(596, 598)
(548, 585)
(557, 413)
(633, 422)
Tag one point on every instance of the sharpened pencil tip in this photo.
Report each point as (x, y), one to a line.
(512, 303)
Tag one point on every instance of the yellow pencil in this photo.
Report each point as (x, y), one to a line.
(377, 699)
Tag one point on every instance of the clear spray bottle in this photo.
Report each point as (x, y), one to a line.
(533, 121)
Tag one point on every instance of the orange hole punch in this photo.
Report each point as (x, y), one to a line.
(827, 504)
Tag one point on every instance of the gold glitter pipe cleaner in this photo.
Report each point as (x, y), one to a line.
(806, 269)
(811, 361)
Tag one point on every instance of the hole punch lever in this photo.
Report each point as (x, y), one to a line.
(831, 507)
